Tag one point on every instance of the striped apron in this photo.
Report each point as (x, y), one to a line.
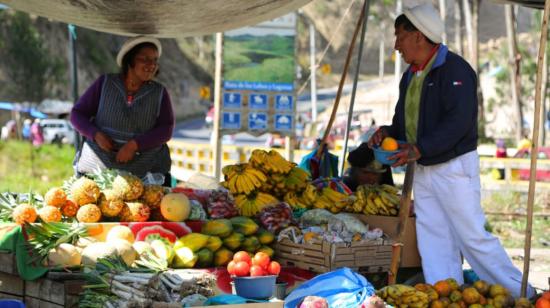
(123, 122)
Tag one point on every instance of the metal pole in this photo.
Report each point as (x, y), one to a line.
(397, 67)
(313, 68)
(217, 104)
(354, 89)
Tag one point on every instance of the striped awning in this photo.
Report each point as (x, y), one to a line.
(160, 18)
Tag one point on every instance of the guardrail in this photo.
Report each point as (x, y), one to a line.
(189, 158)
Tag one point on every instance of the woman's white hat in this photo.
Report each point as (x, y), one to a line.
(134, 41)
(427, 20)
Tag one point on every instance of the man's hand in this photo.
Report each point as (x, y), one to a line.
(377, 137)
(127, 152)
(104, 141)
(407, 153)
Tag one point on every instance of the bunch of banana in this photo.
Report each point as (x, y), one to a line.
(333, 200)
(270, 162)
(252, 204)
(243, 179)
(400, 295)
(308, 195)
(377, 200)
(294, 201)
(296, 179)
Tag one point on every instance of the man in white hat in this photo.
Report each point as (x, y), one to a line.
(436, 115)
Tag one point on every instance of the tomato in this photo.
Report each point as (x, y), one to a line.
(261, 259)
(231, 268)
(242, 256)
(242, 269)
(256, 270)
(274, 268)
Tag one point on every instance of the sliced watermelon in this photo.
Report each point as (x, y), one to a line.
(143, 233)
(179, 228)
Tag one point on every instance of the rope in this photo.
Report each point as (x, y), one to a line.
(327, 47)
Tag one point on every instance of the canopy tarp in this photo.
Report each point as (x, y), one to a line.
(162, 18)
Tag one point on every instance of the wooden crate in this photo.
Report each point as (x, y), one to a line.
(8, 264)
(11, 286)
(323, 256)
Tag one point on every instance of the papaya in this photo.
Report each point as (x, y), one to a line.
(268, 250)
(184, 258)
(214, 243)
(222, 256)
(233, 241)
(193, 241)
(265, 237)
(218, 227)
(205, 257)
(250, 244)
(244, 225)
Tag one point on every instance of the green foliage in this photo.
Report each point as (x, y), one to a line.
(30, 67)
(24, 168)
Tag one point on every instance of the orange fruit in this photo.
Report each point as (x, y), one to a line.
(389, 144)
(443, 288)
(542, 303)
(471, 295)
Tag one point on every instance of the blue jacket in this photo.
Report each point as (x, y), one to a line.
(447, 119)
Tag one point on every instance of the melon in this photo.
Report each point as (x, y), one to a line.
(64, 255)
(120, 232)
(175, 207)
(95, 251)
(125, 250)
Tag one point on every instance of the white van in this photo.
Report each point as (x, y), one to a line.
(57, 129)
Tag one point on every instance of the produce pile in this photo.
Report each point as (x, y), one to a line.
(376, 200)
(447, 293)
(103, 196)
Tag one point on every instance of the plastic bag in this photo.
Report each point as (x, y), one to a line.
(352, 223)
(153, 179)
(316, 217)
(341, 288)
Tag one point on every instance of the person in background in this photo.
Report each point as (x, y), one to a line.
(26, 130)
(37, 135)
(436, 114)
(365, 169)
(127, 118)
(501, 153)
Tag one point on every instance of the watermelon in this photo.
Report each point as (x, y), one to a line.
(145, 233)
(178, 228)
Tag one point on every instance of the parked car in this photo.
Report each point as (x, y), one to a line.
(541, 175)
(57, 130)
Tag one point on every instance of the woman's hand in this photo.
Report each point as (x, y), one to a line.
(127, 152)
(104, 141)
(407, 153)
(377, 137)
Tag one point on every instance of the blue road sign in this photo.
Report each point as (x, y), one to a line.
(231, 120)
(232, 100)
(283, 122)
(257, 101)
(283, 102)
(257, 121)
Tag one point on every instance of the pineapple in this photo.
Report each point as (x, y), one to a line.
(55, 197)
(135, 212)
(110, 203)
(129, 186)
(88, 213)
(24, 213)
(152, 195)
(50, 213)
(69, 209)
(84, 191)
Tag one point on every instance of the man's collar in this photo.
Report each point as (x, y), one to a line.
(419, 68)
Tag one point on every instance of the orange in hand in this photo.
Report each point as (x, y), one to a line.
(389, 144)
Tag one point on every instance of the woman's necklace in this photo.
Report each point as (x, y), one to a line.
(131, 88)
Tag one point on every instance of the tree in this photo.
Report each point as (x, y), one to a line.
(30, 68)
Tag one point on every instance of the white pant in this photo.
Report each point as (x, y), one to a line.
(450, 222)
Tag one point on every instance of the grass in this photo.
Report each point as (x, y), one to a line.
(24, 168)
(511, 229)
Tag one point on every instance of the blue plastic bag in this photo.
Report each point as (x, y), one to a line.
(341, 288)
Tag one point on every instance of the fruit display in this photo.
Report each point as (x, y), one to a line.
(267, 178)
(332, 195)
(447, 293)
(376, 200)
(276, 217)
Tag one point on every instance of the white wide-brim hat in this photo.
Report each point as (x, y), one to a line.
(427, 20)
(133, 42)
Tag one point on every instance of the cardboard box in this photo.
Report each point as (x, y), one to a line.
(322, 256)
(410, 256)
